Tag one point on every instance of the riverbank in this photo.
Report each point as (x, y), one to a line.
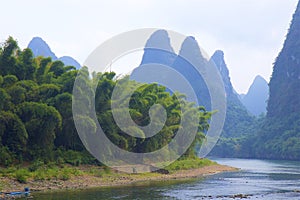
(94, 180)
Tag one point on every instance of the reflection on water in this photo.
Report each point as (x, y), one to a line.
(257, 179)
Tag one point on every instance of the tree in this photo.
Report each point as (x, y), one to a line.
(9, 80)
(13, 134)
(42, 65)
(7, 57)
(18, 93)
(25, 68)
(4, 100)
(67, 137)
(41, 122)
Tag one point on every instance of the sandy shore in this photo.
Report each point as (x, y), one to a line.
(115, 179)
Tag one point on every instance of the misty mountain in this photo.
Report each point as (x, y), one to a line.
(279, 137)
(257, 96)
(69, 61)
(160, 63)
(238, 120)
(40, 48)
(158, 49)
(232, 96)
(190, 53)
(158, 52)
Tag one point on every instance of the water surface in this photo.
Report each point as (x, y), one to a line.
(257, 179)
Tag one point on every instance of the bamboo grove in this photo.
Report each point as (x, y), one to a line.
(36, 120)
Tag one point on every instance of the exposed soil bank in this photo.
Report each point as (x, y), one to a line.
(113, 179)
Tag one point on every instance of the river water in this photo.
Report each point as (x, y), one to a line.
(256, 179)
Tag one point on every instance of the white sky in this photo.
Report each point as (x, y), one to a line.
(250, 32)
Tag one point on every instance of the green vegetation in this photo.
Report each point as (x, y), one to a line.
(275, 136)
(280, 132)
(43, 172)
(189, 163)
(39, 171)
(241, 145)
(36, 120)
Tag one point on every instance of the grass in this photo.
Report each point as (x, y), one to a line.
(98, 172)
(189, 163)
(44, 172)
(39, 171)
(1, 186)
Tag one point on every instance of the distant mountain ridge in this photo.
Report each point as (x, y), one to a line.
(238, 119)
(218, 59)
(40, 48)
(237, 115)
(190, 50)
(158, 49)
(69, 61)
(159, 52)
(257, 96)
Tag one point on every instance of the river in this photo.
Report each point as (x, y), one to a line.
(257, 179)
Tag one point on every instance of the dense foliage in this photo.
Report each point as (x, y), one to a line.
(239, 123)
(36, 120)
(242, 145)
(278, 137)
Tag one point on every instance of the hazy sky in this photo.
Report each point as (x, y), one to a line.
(250, 32)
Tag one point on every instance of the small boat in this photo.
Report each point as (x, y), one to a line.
(13, 195)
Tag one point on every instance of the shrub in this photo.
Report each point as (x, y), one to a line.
(107, 170)
(22, 175)
(73, 157)
(36, 165)
(65, 175)
(5, 156)
(39, 175)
